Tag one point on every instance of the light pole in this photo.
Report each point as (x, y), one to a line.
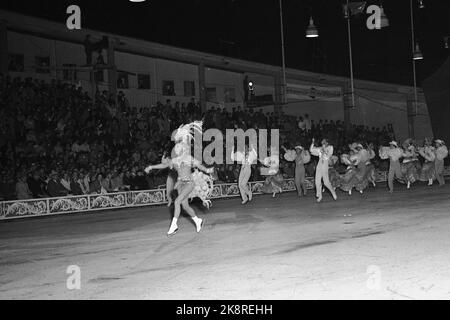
(283, 56)
(350, 49)
(415, 56)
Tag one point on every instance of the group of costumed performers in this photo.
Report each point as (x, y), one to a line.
(405, 165)
(194, 180)
(190, 179)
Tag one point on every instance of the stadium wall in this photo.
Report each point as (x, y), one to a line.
(374, 100)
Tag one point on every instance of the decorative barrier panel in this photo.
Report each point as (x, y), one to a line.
(91, 203)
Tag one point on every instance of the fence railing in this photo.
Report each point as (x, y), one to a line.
(21, 209)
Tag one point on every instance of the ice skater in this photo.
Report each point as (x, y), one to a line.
(441, 151)
(301, 157)
(325, 152)
(427, 172)
(247, 159)
(189, 184)
(394, 154)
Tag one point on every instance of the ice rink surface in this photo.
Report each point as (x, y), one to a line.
(371, 246)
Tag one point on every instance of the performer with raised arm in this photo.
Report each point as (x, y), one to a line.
(393, 153)
(189, 184)
(301, 157)
(427, 173)
(246, 160)
(441, 153)
(325, 152)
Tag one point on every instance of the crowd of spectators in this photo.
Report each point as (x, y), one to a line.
(55, 140)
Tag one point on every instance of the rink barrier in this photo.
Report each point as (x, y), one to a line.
(133, 199)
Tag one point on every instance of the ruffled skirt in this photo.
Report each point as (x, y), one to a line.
(203, 186)
(427, 172)
(335, 179)
(348, 180)
(410, 171)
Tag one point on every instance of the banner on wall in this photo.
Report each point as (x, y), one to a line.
(296, 92)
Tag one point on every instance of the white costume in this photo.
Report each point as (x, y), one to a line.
(246, 160)
(324, 154)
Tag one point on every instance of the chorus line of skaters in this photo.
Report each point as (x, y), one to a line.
(193, 180)
(405, 165)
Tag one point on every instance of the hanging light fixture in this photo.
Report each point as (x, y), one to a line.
(384, 19)
(311, 31)
(418, 53)
(421, 4)
(446, 42)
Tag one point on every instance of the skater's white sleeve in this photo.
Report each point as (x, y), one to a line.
(315, 151)
(441, 153)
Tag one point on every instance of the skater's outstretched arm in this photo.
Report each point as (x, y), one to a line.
(198, 165)
(161, 166)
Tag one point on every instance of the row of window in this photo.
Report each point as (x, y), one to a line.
(69, 72)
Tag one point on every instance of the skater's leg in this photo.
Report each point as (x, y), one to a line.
(169, 189)
(244, 176)
(439, 166)
(391, 178)
(327, 183)
(298, 181)
(183, 195)
(198, 222)
(319, 183)
(303, 185)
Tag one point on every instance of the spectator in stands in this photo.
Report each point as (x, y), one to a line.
(76, 186)
(95, 186)
(54, 186)
(36, 185)
(22, 190)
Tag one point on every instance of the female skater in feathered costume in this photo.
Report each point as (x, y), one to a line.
(189, 184)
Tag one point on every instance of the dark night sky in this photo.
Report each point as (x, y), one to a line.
(250, 29)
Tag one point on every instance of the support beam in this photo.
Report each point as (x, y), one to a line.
(411, 112)
(3, 48)
(347, 107)
(202, 85)
(112, 70)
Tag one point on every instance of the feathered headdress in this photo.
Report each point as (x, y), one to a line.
(187, 132)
